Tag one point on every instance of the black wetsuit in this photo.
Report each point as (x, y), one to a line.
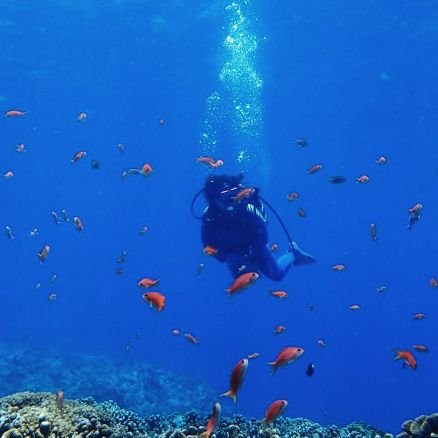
(240, 236)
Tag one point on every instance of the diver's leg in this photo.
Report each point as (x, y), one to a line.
(300, 257)
(274, 268)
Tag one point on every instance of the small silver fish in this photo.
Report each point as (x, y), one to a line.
(55, 217)
(8, 230)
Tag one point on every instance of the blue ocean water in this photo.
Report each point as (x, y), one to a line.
(357, 80)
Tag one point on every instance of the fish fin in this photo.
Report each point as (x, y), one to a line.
(230, 394)
(397, 355)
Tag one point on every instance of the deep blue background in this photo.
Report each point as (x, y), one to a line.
(357, 80)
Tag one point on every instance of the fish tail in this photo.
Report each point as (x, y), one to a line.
(230, 393)
(397, 355)
(273, 365)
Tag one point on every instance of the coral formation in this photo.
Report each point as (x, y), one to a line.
(424, 426)
(36, 415)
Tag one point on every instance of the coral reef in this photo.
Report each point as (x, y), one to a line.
(424, 426)
(136, 386)
(36, 415)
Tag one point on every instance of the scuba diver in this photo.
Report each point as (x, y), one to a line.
(234, 229)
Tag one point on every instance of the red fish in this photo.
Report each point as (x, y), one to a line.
(381, 160)
(274, 247)
(243, 194)
(155, 299)
(210, 251)
(78, 223)
(78, 156)
(192, 339)
(44, 253)
(242, 282)
(419, 316)
(146, 170)
(292, 196)
(362, 179)
(408, 358)
(338, 267)
(274, 410)
(420, 347)
(279, 294)
(279, 330)
(286, 356)
(433, 282)
(213, 422)
(146, 283)
(314, 168)
(237, 376)
(14, 113)
(60, 400)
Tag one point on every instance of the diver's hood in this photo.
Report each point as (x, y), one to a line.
(217, 184)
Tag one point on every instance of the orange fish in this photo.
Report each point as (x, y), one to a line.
(8, 175)
(82, 117)
(14, 113)
(192, 339)
(292, 196)
(254, 355)
(433, 282)
(381, 160)
(60, 400)
(338, 267)
(216, 164)
(146, 283)
(155, 299)
(210, 251)
(242, 282)
(274, 247)
(279, 330)
(354, 307)
(419, 316)
(78, 223)
(362, 179)
(314, 168)
(286, 356)
(146, 170)
(274, 410)
(44, 253)
(408, 358)
(301, 213)
(205, 160)
(213, 422)
(237, 376)
(78, 156)
(243, 194)
(175, 332)
(279, 294)
(420, 347)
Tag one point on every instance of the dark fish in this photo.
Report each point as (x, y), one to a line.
(373, 232)
(301, 141)
(95, 164)
(310, 369)
(337, 179)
